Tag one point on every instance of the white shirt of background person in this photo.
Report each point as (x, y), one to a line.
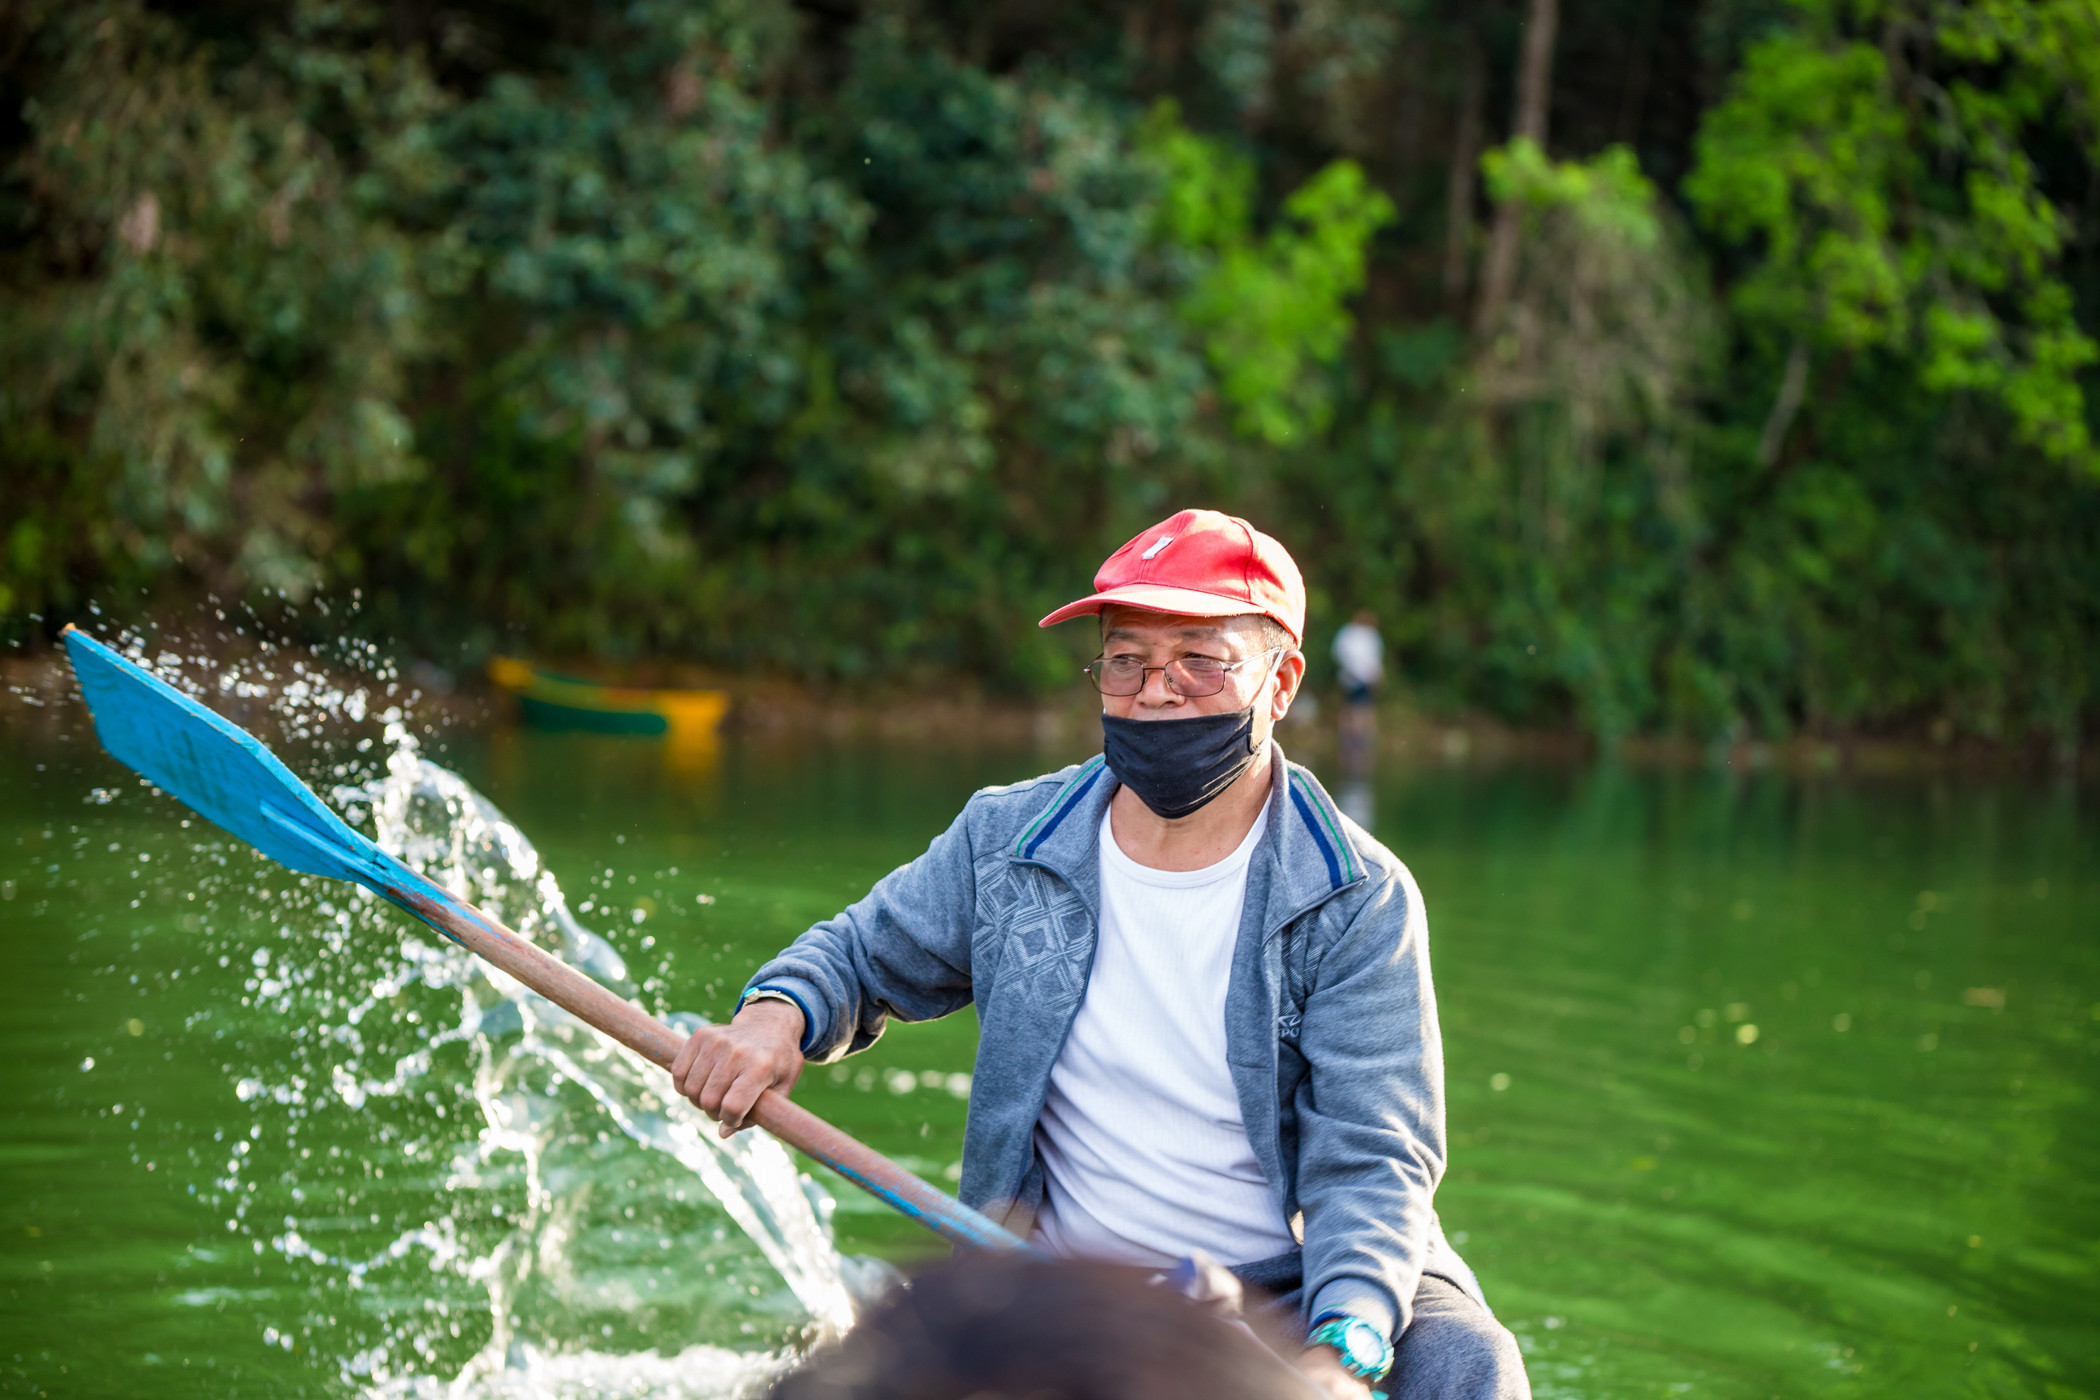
(1360, 652)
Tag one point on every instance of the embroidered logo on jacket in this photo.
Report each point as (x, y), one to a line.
(1039, 929)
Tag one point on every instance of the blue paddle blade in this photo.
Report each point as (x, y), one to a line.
(226, 776)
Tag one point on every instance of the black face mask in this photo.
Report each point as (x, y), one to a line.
(1176, 766)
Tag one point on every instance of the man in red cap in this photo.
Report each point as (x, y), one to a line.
(1207, 1021)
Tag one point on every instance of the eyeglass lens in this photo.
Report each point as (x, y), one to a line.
(1195, 677)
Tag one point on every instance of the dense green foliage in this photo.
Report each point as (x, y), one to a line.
(843, 340)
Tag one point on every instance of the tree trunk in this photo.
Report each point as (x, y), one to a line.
(1465, 171)
(1793, 383)
(1534, 93)
(1535, 77)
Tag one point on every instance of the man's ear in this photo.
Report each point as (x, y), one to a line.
(1290, 674)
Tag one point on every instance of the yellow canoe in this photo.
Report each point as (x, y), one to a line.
(548, 700)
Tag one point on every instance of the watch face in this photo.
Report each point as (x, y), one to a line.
(1362, 1343)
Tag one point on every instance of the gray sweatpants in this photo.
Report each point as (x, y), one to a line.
(1453, 1349)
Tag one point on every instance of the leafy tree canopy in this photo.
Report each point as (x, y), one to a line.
(1740, 382)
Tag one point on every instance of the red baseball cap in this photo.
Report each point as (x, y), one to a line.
(1199, 563)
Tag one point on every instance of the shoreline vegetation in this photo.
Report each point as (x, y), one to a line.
(1710, 369)
(39, 691)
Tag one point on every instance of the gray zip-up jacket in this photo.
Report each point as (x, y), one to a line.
(1330, 1017)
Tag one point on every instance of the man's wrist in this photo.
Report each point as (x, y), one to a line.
(1322, 1365)
(1352, 1296)
(764, 994)
(1364, 1349)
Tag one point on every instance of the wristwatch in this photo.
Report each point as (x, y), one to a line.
(769, 993)
(1365, 1352)
(752, 994)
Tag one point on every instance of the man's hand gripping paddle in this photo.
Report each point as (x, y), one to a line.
(228, 777)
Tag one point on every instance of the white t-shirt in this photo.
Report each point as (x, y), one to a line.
(1144, 1151)
(1360, 653)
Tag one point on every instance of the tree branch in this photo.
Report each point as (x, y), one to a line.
(1534, 95)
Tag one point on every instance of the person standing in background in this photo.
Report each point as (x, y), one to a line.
(1359, 655)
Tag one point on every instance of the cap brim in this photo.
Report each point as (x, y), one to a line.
(1183, 602)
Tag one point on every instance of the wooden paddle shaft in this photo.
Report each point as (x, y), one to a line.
(594, 1004)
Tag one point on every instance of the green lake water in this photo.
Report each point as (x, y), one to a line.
(1759, 1086)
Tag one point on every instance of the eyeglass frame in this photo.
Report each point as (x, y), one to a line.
(1226, 668)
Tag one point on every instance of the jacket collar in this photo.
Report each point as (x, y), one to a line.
(1307, 852)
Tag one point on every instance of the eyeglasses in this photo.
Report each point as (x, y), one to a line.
(1191, 676)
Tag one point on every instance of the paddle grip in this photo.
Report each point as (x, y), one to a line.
(591, 1002)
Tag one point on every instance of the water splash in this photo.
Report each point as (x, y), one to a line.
(435, 822)
(583, 1219)
(446, 1186)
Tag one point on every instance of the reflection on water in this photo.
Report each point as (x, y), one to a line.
(1359, 800)
(1757, 1086)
